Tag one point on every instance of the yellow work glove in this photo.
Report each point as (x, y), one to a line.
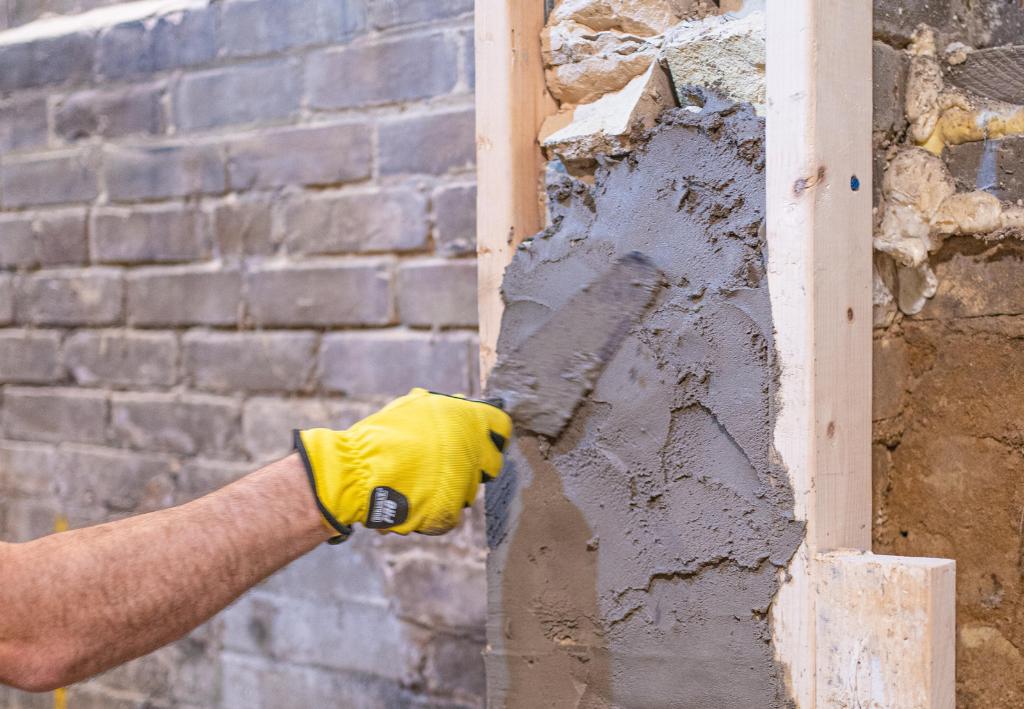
(410, 467)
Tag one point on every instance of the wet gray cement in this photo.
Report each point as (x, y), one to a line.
(635, 557)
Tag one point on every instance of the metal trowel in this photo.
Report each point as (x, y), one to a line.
(541, 382)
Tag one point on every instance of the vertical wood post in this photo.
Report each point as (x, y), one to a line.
(511, 104)
(834, 606)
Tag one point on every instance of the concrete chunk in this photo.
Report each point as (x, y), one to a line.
(721, 53)
(641, 17)
(581, 65)
(605, 126)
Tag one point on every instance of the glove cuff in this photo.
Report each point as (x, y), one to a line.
(343, 530)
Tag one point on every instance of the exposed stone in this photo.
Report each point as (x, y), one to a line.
(995, 73)
(721, 53)
(644, 18)
(607, 125)
(990, 165)
(582, 65)
(889, 85)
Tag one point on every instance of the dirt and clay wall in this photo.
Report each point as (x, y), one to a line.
(949, 336)
(634, 559)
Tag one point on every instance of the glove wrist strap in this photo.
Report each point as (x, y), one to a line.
(343, 530)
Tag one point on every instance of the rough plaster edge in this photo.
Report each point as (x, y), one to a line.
(95, 20)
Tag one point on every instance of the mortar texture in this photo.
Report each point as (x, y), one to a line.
(635, 558)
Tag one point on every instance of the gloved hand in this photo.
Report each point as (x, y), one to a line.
(411, 467)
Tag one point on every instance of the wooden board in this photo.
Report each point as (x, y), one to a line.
(511, 104)
(887, 625)
(819, 277)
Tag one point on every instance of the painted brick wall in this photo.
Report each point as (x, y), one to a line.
(216, 226)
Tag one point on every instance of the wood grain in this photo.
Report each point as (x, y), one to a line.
(511, 104)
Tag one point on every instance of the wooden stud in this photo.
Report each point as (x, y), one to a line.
(819, 278)
(511, 104)
(887, 628)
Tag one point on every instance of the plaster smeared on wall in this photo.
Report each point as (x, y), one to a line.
(635, 558)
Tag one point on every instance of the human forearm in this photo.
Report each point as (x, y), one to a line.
(78, 603)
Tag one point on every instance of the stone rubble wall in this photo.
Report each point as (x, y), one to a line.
(217, 225)
(949, 308)
(614, 65)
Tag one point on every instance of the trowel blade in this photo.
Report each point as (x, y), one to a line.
(541, 382)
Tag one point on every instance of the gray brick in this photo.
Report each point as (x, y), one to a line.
(455, 665)
(43, 62)
(252, 682)
(122, 358)
(305, 156)
(250, 361)
(990, 165)
(70, 297)
(173, 423)
(29, 356)
(164, 233)
(59, 238)
(179, 296)
(16, 243)
(321, 294)
(889, 77)
(966, 275)
(162, 172)
(266, 91)
(438, 292)
(433, 144)
(6, 299)
(355, 636)
(28, 469)
(125, 50)
(394, 361)
(54, 415)
(389, 13)
(172, 42)
(252, 27)
(267, 422)
(187, 39)
(111, 114)
(386, 71)
(50, 179)
(116, 481)
(243, 227)
(357, 221)
(201, 477)
(445, 593)
(455, 210)
(22, 124)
